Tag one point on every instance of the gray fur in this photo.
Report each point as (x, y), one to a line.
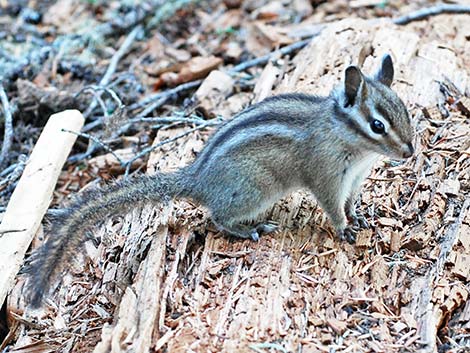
(284, 143)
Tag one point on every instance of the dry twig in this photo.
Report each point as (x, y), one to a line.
(8, 134)
(97, 141)
(120, 53)
(165, 94)
(170, 120)
(430, 11)
(265, 58)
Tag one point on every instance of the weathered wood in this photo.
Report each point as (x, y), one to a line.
(33, 193)
(140, 304)
(135, 329)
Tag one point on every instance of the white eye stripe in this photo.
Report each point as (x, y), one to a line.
(376, 115)
(362, 122)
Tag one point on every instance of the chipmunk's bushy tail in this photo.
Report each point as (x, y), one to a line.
(69, 231)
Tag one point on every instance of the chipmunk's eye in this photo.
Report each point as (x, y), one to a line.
(377, 126)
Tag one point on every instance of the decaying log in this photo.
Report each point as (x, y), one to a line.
(33, 193)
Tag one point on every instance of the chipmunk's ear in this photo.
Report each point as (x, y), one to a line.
(385, 73)
(353, 84)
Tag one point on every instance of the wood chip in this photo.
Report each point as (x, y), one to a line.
(266, 82)
(462, 266)
(338, 326)
(432, 113)
(388, 222)
(450, 187)
(464, 106)
(364, 238)
(395, 242)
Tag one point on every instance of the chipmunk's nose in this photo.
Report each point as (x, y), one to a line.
(409, 153)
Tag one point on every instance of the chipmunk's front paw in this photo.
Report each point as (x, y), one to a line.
(348, 234)
(359, 221)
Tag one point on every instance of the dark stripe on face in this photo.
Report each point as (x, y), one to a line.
(353, 125)
(392, 142)
(383, 111)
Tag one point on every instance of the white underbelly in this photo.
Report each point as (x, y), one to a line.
(355, 175)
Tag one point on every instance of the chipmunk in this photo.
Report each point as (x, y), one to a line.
(291, 141)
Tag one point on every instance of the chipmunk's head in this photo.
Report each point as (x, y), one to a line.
(374, 113)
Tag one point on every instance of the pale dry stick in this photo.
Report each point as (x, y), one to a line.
(430, 11)
(8, 131)
(31, 198)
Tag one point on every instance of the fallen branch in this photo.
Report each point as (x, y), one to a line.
(430, 11)
(264, 59)
(168, 93)
(32, 196)
(8, 133)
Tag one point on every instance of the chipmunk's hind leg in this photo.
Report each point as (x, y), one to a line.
(239, 230)
(247, 231)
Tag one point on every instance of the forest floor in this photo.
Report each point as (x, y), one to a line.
(154, 79)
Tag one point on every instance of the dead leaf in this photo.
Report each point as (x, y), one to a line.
(196, 68)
